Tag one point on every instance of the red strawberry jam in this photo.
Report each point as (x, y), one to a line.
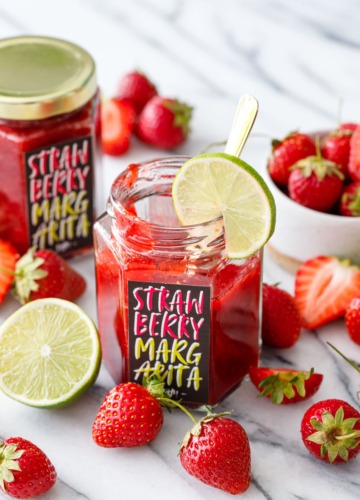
(169, 302)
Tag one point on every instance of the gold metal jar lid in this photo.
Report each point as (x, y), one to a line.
(42, 77)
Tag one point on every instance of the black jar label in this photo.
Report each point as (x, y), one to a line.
(60, 195)
(169, 336)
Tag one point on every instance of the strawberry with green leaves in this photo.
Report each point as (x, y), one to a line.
(286, 153)
(129, 416)
(8, 258)
(217, 452)
(44, 273)
(324, 288)
(25, 470)
(285, 386)
(316, 183)
(330, 430)
(164, 123)
(281, 322)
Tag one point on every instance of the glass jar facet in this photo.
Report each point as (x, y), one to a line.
(169, 302)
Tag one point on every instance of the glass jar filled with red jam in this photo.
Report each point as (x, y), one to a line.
(169, 303)
(49, 138)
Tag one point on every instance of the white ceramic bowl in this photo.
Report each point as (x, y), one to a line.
(302, 233)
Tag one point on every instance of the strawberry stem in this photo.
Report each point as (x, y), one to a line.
(343, 356)
(170, 402)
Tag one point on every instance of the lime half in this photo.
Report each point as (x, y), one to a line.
(213, 185)
(49, 353)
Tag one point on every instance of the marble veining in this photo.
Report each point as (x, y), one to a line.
(299, 59)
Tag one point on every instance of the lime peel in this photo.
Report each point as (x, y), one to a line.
(216, 185)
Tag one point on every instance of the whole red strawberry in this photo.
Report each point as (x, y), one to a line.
(354, 159)
(8, 258)
(330, 430)
(352, 319)
(348, 126)
(285, 386)
(117, 125)
(286, 153)
(315, 183)
(164, 123)
(350, 200)
(129, 416)
(336, 148)
(25, 470)
(137, 88)
(281, 322)
(44, 273)
(217, 452)
(324, 287)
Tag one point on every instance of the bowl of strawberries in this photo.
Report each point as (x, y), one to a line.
(315, 180)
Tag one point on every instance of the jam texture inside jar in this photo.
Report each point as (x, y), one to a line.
(49, 144)
(169, 302)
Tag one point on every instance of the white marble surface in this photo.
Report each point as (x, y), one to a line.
(299, 59)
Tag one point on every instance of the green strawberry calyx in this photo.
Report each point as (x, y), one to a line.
(353, 201)
(182, 114)
(335, 435)
(318, 165)
(283, 384)
(28, 272)
(9, 455)
(196, 429)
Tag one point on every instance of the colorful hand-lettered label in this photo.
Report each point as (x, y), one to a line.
(169, 336)
(60, 195)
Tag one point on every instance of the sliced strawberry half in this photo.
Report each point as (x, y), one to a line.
(324, 287)
(285, 386)
(8, 258)
(117, 124)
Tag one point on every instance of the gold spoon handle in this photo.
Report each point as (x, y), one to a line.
(245, 116)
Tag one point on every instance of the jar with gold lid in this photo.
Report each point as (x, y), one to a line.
(49, 144)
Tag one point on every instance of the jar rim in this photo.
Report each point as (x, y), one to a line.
(115, 202)
(43, 77)
(200, 239)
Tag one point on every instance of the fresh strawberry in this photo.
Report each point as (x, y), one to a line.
(324, 287)
(117, 125)
(217, 452)
(330, 430)
(354, 159)
(129, 416)
(281, 320)
(336, 148)
(8, 258)
(348, 126)
(285, 386)
(286, 153)
(352, 319)
(44, 273)
(25, 470)
(350, 200)
(137, 88)
(164, 123)
(315, 183)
